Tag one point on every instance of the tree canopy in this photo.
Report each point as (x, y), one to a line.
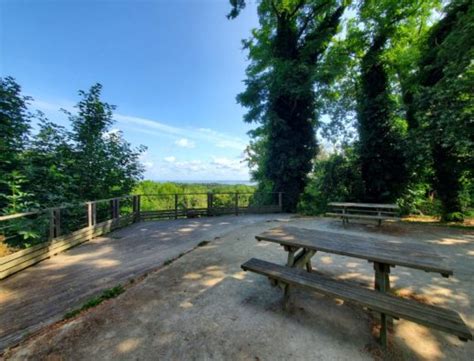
(388, 82)
(57, 165)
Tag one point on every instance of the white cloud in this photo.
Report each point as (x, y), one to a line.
(170, 159)
(237, 165)
(185, 143)
(170, 167)
(144, 125)
(146, 160)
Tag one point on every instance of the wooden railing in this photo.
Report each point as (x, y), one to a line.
(53, 230)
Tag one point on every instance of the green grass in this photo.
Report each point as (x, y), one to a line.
(106, 294)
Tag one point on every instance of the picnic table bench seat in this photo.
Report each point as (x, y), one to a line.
(435, 317)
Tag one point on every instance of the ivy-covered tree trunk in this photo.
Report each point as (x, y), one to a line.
(285, 54)
(444, 103)
(383, 164)
(291, 142)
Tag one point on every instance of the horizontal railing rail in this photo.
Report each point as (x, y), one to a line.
(39, 234)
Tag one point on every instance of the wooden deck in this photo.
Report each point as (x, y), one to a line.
(42, 294)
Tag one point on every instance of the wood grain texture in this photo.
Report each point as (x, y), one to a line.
(427, 315)
(380, 250)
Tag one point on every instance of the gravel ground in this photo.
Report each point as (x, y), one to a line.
(204, 307)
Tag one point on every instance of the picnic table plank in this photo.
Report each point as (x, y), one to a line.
(374, 250)
(363, 205)
(428, 315)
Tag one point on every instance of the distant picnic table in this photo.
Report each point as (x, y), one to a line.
(302, 244)
(375, 211)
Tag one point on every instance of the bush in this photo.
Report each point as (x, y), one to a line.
(335, 178)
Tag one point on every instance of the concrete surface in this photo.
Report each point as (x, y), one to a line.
(204, 307)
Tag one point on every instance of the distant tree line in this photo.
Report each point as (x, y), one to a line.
(396, 80)
(56, 165)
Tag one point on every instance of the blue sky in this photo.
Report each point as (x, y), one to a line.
(172, 67)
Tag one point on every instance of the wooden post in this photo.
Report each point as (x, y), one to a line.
(176, 206)
(54, 223)
(139, 207)
(51, 223)
(209, 204)
(117, 208)
(91, 214)
(286, 289)
(136, 208)
(280, 201)
(111, 206)
(236, 203)
(382, 284)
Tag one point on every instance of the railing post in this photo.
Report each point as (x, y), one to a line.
(237, 203)
(136, 208)
(209, 204)
(51, 223)
(117, 208)
(176, 206)
(91, 214)
(280, 201)
(54, 223)
(112, 211)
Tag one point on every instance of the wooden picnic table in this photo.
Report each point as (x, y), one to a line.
(364, 205)
(375, 211)
(383, 253)
(302, 244)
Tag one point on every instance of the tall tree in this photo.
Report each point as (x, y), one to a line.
(104, 164)
(441, 103)
(50, 164)
(382, 130)
(381, 156)
(368, 64)
(285, 52)
(14, 130)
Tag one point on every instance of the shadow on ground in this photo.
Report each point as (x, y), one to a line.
(203, 306)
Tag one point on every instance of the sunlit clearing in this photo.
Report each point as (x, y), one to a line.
(192, 276)
(186, 304)
(239, 275)
(128, 345)
(420, 340)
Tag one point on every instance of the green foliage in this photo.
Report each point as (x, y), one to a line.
(383, 165)
(14, 130)
(335, 178)
(93, 302)
(57, 166)
(104, 164)
(441, 103)
(419, 199)
(285, 52)
(161, 196)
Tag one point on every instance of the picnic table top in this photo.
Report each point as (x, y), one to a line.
(363, 205)
(394, 253)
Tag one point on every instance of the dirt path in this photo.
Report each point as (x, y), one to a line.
(43, 293)
(204, 307)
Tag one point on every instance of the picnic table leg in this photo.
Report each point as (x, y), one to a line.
(382, 284)
(290, 263)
